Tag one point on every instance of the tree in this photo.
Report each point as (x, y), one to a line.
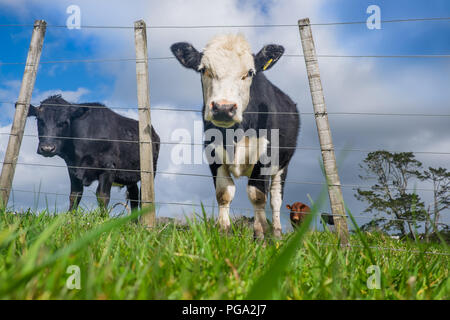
(440, 178)
(389, 198)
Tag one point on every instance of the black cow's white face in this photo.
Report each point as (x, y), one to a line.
(227, 68)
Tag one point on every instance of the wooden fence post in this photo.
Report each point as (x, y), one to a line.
(145, 132)
(323, 129)
(20, 115)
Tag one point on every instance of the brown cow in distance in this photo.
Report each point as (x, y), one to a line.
(298, 213)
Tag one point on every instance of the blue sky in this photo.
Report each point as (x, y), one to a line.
(403, 85)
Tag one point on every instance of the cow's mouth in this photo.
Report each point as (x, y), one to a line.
(47, 150)
(47, 154)
(223, 124)
(223, 114)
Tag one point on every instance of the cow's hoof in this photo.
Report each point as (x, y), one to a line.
(258, 236)
(103, 212)
(264, 242)
(277, 235)
(225, 230)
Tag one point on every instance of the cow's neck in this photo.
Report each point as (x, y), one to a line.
(247, 150)
(241, 159)
(68, 153)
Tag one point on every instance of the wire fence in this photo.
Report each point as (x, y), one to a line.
(240, 209)
(341, 113)
(224, 145)
(61, 61)
(268, 179)
(337, 23)
(290, 55)
(416, 56)
(351, 245)
(386, 248)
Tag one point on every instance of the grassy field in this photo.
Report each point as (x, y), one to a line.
(118, 259)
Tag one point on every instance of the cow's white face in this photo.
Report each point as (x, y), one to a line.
(227, 67)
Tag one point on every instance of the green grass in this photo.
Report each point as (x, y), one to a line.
(119, 259)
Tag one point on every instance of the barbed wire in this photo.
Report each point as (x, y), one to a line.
(282, 210)
(105, 60)
(430, 19)
(312, 113)
(202, 144)
(287, 55)
(250, 210)
(384, 248)
(340, 113)
(166, 58)
(198, 175)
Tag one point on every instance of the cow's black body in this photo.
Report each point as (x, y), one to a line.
(99, 125)
(269, 108)
(265, 112)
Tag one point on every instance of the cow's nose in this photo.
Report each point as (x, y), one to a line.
(223, 111)
(47, 148)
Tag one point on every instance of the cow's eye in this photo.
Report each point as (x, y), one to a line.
(206, 72)
(250, 73)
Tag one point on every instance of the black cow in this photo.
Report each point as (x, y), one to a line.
(243, 114)
(62, 127)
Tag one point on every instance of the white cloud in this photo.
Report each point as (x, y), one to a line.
(72, 96)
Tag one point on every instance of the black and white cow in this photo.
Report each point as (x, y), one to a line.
(239, 101)
(62, 129)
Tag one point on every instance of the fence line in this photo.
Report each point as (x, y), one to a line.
(386, 248)
(412, 56)
(199, 175)
(214, 206)
(288, 55)
(202, 144)
(341, 113)
(251, 210)
(430, 19)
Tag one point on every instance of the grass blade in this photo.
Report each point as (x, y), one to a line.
(265, 287)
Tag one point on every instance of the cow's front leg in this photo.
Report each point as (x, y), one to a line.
(276, 199)
(225, 190)
(105, 182)
(257, 194)
(133, 196)
(76, 191)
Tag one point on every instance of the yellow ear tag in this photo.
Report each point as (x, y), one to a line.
(267, 64)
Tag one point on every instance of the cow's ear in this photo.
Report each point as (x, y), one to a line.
(79, 111)
(289, 207)
(268, 56)
(187, 55)
(32, 111)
